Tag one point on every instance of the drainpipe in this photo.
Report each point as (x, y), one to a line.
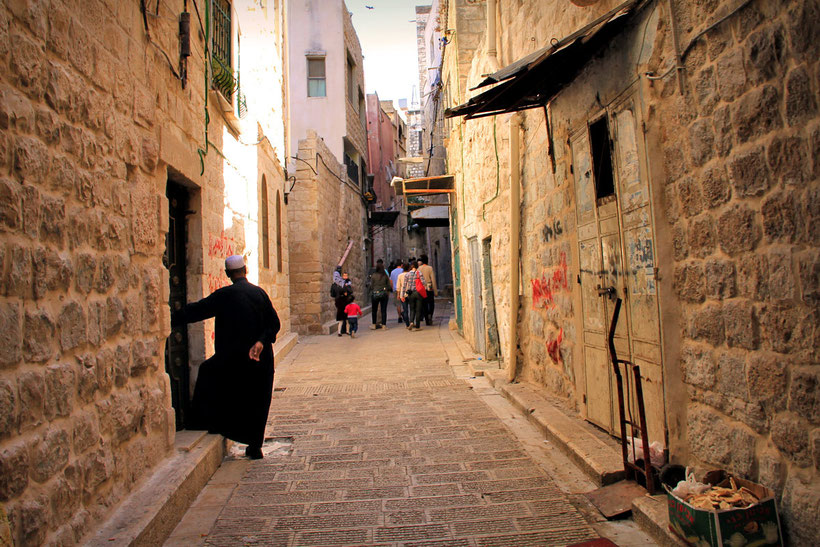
(515, 227)
(492, 53)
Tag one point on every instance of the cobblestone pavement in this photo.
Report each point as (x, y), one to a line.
(379, 443)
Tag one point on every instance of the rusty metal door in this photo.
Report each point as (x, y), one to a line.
(616, 251)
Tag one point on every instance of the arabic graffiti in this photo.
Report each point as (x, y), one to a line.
(547, 287)
(216, 282)
(221, 246)
(552, 230)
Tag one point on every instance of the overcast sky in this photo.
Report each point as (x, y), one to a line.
(388, 37)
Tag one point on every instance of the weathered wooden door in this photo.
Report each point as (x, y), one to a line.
(616, 250)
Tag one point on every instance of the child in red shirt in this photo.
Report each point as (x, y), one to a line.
(353, 312)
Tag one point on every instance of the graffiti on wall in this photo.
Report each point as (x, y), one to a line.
(549, 285)
(552, 230)
(554, 346)
(216, 282)
(222, 246)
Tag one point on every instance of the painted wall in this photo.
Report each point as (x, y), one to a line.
(321, 33)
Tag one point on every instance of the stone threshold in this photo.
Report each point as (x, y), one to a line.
(151, 512)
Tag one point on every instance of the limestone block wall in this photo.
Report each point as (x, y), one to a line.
(740, 193)
(324, 213)
(733, 176)
(93, 124)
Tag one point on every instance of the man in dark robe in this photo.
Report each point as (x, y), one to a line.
(233, 389)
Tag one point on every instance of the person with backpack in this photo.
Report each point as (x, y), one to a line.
(380, 286)
(414, 293)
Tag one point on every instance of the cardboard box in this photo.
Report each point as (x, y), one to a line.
(757, 525)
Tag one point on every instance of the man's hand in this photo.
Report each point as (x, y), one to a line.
(256, 351)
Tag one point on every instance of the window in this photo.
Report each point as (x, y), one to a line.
(263, 217)
(601, 158)
(362, 109)
(351, 80)
(278, 233)
(317, 85)
(221, 50)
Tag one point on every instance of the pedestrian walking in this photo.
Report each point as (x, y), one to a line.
(353, 312)
(402, 289)
(380, 287)
(414, 294)
(341, 290)
(430, 284)
(394, 279)
(233, 388)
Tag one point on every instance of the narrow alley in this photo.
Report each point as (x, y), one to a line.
(387, 440)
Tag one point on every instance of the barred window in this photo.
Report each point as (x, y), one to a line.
(221, 54)
(317, 85)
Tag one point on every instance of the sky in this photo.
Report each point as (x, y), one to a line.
(388, 37)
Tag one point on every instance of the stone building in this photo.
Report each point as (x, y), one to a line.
(385, 128)
(121, 160)
(327, 212)
(428, 212)
(667, 158)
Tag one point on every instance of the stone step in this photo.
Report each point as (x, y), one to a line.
(596, 453)
(153, 509)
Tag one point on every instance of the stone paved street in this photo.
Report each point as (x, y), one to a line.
(381, 442)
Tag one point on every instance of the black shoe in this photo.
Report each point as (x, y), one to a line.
(254, 453)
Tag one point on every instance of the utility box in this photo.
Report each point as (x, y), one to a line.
(758, 524)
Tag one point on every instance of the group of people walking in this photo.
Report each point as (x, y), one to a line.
(412, 283)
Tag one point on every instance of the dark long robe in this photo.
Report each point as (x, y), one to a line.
(233, 392)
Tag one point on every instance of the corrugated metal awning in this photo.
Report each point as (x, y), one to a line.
(535, 79)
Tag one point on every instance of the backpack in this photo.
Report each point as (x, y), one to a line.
(334, 290)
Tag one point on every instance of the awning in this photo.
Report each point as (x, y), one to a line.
(424, 186)
(382, 218)
(535, 79)
(432, 216)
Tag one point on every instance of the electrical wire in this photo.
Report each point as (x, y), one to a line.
(145, 14)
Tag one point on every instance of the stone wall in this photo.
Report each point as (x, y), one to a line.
(740, 195)
(93, 124)
(325, 212)
(731, 170)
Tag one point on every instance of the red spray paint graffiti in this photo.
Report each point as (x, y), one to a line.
(216, 282)
(221, 246)
(544, 289)
(554, 347)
